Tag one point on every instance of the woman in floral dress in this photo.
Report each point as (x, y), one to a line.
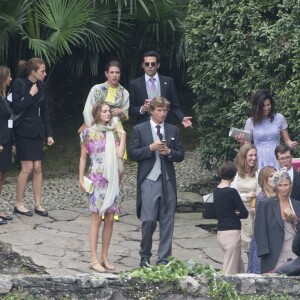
(105, 145)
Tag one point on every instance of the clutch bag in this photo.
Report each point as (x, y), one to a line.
(233, 132)
(88, 185)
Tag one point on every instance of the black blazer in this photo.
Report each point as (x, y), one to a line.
(269, 231)
(139, 150)
(295, 194)
(5, 132)
(138, 94)
(35, 119)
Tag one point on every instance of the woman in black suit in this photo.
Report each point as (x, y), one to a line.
(275, 224)
(29, 97)
(5, 132)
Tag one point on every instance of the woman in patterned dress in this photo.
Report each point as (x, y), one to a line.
(265, 181)
(267, 127)
(105, 145)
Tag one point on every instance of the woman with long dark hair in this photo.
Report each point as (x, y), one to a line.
(267, 128)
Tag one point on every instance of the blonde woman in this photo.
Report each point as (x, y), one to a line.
(265, 181)
(246, 183)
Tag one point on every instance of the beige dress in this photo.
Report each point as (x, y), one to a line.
(286, 250)
(246, 185)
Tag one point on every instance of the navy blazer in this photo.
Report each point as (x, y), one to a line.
(35, 119)
(295, 194)
(5, 132)
(138, 94)
(139, 150)
(269, 231)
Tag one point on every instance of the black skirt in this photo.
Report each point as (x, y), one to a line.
(29, 148)
(6, 157)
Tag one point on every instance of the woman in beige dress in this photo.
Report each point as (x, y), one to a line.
(246, 183)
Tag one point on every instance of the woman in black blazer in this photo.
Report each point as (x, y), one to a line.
(275, 224)
(29, 97)
(5, 132)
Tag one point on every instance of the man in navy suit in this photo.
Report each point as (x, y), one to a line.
(155, 145)
(150, 85)
(284, 155)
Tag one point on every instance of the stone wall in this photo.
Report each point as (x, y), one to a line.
(109, 287)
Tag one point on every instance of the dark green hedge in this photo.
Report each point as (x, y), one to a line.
(234, 49)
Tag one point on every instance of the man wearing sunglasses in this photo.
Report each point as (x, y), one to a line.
(150, 85)
(284, 156)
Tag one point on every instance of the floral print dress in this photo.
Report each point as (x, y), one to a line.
(95, 145)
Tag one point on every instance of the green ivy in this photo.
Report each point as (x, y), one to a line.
(234, 49)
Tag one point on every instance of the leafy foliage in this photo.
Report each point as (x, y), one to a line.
(234, 50)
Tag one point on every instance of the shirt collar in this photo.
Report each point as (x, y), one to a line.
(147, 77)
(153, 125)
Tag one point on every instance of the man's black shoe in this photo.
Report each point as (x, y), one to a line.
(145, 261)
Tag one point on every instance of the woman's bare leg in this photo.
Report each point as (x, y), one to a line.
(37, 183)
(106, 237)
(27, 167)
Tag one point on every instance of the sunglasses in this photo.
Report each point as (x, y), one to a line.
(153, 64)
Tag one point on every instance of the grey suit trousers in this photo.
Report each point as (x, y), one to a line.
(152, 211)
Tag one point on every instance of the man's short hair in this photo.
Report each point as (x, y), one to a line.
(159, 101)
(152, 53)
(282, 148)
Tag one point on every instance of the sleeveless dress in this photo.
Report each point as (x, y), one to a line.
(266, 136)
(95, 145)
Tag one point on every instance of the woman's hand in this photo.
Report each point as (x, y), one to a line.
(252, 212)
(292, 144)
(34, 89)
(240, 138)
(250, 195)
(82, 186)
(1, 148)
(117, 112)
(237, 212)
(121, 131)
(50, 141)
(289, 214)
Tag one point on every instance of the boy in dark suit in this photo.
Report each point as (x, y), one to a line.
(155, 145)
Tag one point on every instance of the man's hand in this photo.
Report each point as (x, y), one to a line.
(186, 122)
(146, 106)
(157, 146)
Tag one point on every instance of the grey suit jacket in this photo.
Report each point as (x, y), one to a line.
(138, 94)
(139, 150)
(269, 231)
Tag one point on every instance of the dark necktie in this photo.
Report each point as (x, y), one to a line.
(158, 131)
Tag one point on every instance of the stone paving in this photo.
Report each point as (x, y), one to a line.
(59, 242)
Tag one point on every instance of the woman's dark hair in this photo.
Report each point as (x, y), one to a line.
(26, 67)
(257, 101)
(112, 63)
(227, 170)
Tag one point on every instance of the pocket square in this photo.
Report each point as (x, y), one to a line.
(165, 83)
(172, 139)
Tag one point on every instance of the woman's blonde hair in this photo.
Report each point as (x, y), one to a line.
(4, 74)
(240, 161)
(97, 108)
(263, 180)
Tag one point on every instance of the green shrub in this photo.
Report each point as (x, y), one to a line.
(234, 49)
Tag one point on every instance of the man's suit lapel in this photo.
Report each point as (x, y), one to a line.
(277, 212)
(147, 133)
(143, 89)
(168, 134)
(163, 86)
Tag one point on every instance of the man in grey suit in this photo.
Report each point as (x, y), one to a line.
(150, 85)
(284, 156)
(155, 145)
